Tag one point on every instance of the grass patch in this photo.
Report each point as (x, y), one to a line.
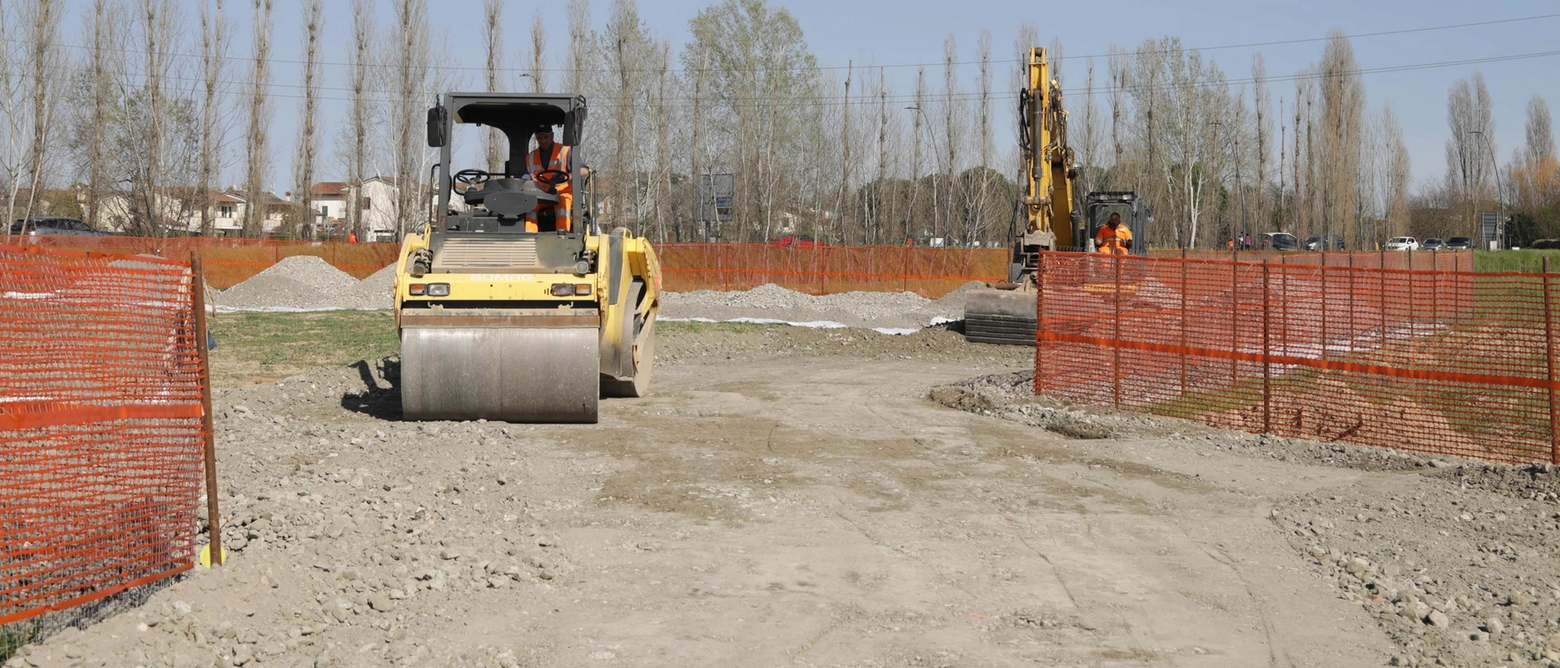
(12, 638)
(1531, 261)
(265, 347)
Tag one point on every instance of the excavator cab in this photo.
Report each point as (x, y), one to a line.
(1099, 205)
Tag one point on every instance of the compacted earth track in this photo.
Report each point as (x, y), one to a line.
(821, 498)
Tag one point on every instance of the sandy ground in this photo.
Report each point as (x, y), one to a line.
(791, 497)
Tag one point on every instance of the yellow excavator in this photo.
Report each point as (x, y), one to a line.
(1005, 312)
(507, 308)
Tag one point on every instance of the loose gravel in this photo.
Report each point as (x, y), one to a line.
(308, 283)
(895, 312)
(1453, 558)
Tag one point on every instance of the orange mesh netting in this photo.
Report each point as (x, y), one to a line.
(930, 272)
(229, 262)
(1438, 360)
(100, 426)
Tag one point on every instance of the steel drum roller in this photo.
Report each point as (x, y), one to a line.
(515, 374)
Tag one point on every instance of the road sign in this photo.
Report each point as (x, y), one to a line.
(717, 192)
(1489, 226)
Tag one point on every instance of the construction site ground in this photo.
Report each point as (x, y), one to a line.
(814, 497)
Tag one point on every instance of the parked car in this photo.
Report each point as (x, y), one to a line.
(1433, 244)
(796, 241)
(1314, 243)
(1280, 241)
(1402, 244)
(1459, 243)
(57, 226)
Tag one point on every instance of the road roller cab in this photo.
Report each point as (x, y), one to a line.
(506, 313)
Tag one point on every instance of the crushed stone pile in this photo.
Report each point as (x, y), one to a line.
(885, 311)
(306, 283)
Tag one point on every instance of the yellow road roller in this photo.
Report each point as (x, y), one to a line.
(512, 305)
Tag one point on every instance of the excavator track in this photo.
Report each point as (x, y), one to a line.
(1005, 317)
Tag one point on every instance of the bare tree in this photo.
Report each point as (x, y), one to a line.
(213, 54)
(1089, 139)
(11, 101)
(764, 85)
(915, 163)
(157, 35)
(1343, 125)
(1117, 67)
(981, 195)
(257, 141)
(493, 142)
(360, 113)
(877, 221)
(97, 97)
(308, 134)
(663, 144)
(628, 45)
(1539, 131)
(696, 162)
(42, 18)
(410, 74)
(1534, 174)
(1398, 173)
(953, 124)
(1262, 104)
(1470, 150)
(538, 73)
(581, 49)
(842, 206)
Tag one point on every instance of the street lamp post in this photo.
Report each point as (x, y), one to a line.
(1500, 190)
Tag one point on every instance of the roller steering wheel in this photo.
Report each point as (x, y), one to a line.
(551, 178)
(471, 177)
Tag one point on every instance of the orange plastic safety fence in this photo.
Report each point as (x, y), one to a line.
(100, 426)
(1436, 359)
(930, 272)
(229, 262)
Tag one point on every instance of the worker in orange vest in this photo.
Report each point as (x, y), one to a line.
(551, 166)
(1113, 237)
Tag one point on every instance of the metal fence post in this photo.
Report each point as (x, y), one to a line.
(1283, 302)
(1267, 350)
(1323, 277)
(208, 431)
(1116, 337)
(1381, 277)
(1185, 351)
(1234, 322)
(1352, 333)
(1039, 324)
(1549, 364)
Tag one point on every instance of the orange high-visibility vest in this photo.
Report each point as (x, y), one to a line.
(1112, 241)
(559, 160)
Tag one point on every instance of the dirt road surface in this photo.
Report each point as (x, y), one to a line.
(787, 497)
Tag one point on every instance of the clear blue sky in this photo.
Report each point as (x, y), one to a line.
(912, 31)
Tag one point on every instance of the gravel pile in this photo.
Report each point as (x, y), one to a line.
(308, 283)
(895, 311)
